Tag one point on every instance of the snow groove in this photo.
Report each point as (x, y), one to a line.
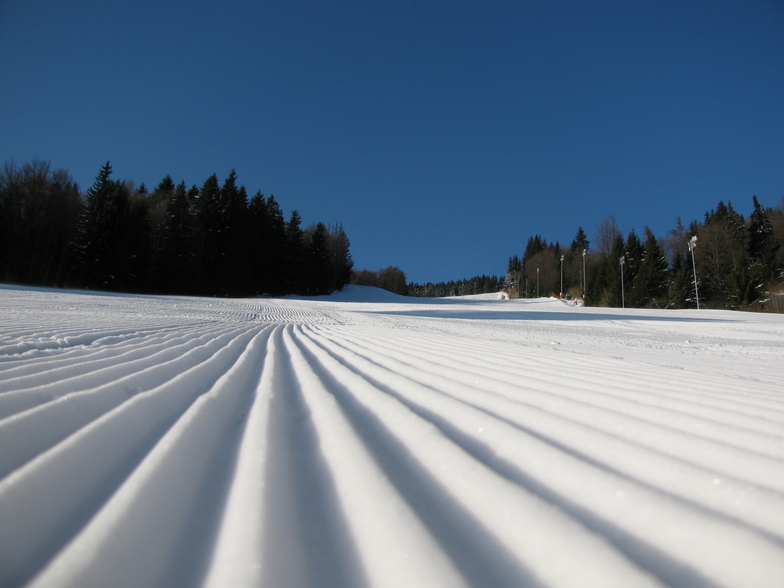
(537, 461)
(357, 441)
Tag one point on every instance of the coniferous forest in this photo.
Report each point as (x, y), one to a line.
(215, 240)
(211, 240)
(738, 262)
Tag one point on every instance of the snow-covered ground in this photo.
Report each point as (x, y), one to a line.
(366, 439)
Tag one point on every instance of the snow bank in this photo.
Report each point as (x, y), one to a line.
(369, 439)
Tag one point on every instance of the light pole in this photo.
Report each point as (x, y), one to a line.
(623, 299)
(692, 245)
(562, 257)
(537, 282)
(585, 251)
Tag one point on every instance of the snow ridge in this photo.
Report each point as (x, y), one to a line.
(373, 440)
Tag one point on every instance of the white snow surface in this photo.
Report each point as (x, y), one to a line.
(368, 439)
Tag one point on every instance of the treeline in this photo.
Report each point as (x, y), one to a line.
(476, 285)
(394, 279)
(391, 278)
(207, 241)
(739, 262)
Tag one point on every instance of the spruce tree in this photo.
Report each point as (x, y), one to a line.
(633, 256)
(580, 242)
(232, 237)
(277, 247)
(208, 238)
(762, 250)
(178, 244)
(102, 230)
(613, 286)
(681, 282)
(649, 286)
(295, 256)
(340, 258)
(319, 273)
(722, 257)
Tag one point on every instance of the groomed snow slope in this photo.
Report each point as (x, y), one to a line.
(366, 439)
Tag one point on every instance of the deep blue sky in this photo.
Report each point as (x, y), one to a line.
(442, 134)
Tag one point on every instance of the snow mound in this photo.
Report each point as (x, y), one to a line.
(354, 293)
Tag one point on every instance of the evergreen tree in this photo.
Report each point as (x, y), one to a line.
(535, 245)
(340, 258)
(295, 256)
(681, 282)
(276, 248)
(232, 237)
(762, 250)
(613, 295)
(102, 231)
(166, 187)
(721, 257)
(179, 246)
(133, 264)
(513, 272)
(580, 242)
(576, 260)
(633, 257)
(208, 238)
(319, 275)
(534, 259)
(649, 286)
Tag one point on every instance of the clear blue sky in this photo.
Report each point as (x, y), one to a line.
(442, 134)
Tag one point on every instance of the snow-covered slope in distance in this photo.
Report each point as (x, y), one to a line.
(368, 439)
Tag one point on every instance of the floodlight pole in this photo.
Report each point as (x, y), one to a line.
(585, 251)
(623, 298)
(692, 245)
(562, 258)
(537, 282)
